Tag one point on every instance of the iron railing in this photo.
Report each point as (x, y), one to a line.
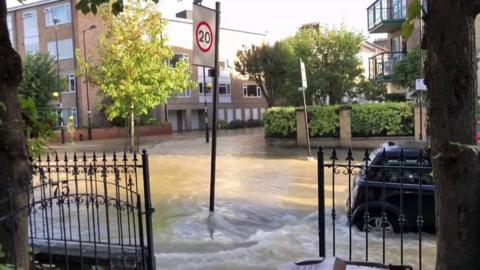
(385, 192)
(85, 211)
(386, 11)
(381, 66)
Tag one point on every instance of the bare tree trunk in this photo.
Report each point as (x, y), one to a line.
(451, 80)
(14, 165)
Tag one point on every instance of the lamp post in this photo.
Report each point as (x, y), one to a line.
(62, 124)
(89, 113)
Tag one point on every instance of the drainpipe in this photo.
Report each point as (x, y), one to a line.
(75, 64)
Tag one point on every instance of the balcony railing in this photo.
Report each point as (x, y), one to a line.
(385, 16)
(381, 65)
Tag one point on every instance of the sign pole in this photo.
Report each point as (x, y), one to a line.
(206, 106)
(303, 89)
(215, 113)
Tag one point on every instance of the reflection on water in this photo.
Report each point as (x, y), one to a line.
(265, 209)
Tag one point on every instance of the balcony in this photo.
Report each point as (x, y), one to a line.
(381, 65)
(386, 16)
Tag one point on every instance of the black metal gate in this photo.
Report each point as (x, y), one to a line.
(392, 189)
(87, 211)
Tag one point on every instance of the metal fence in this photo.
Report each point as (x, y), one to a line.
(389, 193)
(86, 211)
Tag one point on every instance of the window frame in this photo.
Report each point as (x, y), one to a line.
(69, 77)
(245, 91)
(70, 56)
(48, 14)
(228, 89)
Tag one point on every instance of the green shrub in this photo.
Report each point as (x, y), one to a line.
(382, 119)
(253, 123)
(236, 124)
(323, 121)
(222, 124)
(280, 122)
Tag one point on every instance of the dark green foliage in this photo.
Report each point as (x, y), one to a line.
(222, 124)
(253, 123)
(323, 121)
(407, 70)
(371, 90)
(236, 124)
(280, 122)
(382, 119)
(40, 81)
(269, 66)
(395, 97)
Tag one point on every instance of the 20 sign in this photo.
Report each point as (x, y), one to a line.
(204, 36)
(204, 22)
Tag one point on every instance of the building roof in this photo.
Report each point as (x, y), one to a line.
(33, 4)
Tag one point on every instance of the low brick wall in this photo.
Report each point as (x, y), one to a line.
(116, 132)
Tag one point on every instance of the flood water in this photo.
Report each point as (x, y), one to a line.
(265, 210)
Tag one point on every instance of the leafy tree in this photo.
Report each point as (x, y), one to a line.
(133, 69)
(370, 90)
(268, 66)
(39, 83)
(407, 70)
(330, 56)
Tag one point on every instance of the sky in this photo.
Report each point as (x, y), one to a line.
(277, 18)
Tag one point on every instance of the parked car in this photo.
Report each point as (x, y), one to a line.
(387, 172)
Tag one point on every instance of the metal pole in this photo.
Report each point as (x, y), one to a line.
(306, 122)
(215, 113)
(321, 203)
(86, 83)
(206, 106)
(421, 74)
(148, 212)
(62, 124)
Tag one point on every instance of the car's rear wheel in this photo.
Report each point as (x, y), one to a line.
(375, 223)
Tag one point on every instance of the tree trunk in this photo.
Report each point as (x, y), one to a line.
(451, 80)
(14, 166)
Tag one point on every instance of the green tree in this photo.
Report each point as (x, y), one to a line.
(133, 69)
(370, 90)
(331, 60)
(268, 66)
(39, 82)
(407, 70)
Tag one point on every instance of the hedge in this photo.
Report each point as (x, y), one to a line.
(380, 119)
(280, 122)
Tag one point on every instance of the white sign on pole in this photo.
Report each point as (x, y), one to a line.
(304, 76)
(420, 85)
(204, 36)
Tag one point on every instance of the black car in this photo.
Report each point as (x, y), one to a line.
(383, 180)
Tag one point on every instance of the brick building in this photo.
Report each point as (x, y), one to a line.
(45, 25)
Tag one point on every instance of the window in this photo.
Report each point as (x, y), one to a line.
(251, 90)
(10, 29)
(224, 89)
(60, 12)
(30, 32)
(65, 49)
(72, 86)
(185, 94)
(209, 88)
(177, 58)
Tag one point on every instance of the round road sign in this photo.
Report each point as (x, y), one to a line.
(204, 36)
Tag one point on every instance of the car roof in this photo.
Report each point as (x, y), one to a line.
(410, 149)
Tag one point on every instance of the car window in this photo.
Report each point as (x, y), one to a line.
(409, 171)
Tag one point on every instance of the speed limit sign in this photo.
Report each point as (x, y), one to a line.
(203, 36)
